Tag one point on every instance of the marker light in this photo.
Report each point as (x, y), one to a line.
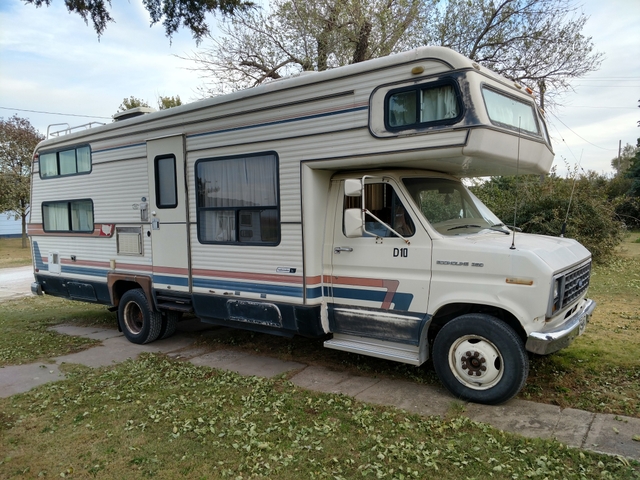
(519, 281)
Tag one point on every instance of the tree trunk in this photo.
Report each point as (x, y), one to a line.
(24, 231)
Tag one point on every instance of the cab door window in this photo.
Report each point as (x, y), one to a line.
(383, 202)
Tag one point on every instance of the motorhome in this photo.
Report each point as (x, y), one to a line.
(328, 205)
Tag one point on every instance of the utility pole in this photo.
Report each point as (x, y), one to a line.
(619, 156)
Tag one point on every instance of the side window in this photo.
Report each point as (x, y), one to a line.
(68, 216)
(413, 107)
(383, 202)
(70, 161)
(166, 186)
(238, 200)
(508, 112)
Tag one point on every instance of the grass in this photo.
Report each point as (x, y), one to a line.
(599, 372)
(12, 254)
(160, 418)
(24, 324)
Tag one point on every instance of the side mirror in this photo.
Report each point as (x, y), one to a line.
(353, 225)
(353, 187)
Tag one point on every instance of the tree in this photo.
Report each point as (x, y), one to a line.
(168, 102)
(538, 43)
(132, 102)
(18, 140)
(297, 35)
(163, 103)
(542, 208)
(633, 173)
(622, 163)
(173, 14)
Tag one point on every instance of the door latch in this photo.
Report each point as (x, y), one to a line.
(342, 249)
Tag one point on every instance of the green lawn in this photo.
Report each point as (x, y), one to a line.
(161, 418)
(12, 254)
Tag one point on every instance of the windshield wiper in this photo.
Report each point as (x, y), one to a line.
(464, 226)
(498, 228)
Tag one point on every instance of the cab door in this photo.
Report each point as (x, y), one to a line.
(380, 281)
(168, 213)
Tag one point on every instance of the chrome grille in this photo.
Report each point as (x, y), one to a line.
(576, 283)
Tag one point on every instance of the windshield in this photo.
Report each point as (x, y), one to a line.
(449, 207)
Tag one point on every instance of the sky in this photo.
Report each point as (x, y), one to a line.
(50, 61)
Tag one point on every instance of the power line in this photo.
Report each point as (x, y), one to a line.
(582, 138)
(54, 113)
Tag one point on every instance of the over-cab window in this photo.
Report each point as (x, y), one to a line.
(238, 200)
(509, 112)
(69, 161)
(413, 107)
(68, 216)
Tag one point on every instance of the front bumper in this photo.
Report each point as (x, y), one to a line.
(549, 341)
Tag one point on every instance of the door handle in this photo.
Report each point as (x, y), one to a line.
(342, 249)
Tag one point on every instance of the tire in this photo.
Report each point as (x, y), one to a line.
(480, 359)
(139, 323)
(170, 321)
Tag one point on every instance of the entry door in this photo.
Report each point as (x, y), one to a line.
(380, 283)
(168, 213)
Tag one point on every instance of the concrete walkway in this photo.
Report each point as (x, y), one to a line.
(15, 282)
(611, 434)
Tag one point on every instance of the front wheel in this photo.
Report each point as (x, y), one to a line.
(481, 359)
(139, 323)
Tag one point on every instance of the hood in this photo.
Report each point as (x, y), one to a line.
(557, 252)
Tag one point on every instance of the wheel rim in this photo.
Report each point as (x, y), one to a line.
(476, 362)
(133, 318)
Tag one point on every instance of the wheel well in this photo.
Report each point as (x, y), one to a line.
(449, 312)
(120, 288)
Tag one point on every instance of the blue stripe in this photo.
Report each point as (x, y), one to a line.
(171, 280)
(94, 272)
(314, 292)
(401, 301)
(249, 287)
(279, 122)
(40, 265)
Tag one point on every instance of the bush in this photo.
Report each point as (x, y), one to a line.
(543, 203)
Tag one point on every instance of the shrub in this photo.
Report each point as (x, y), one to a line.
(543, 203)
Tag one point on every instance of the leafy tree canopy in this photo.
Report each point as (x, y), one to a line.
(173, 14)
(622, 163)
(168, 102)
(163, 103)
(543, 204)
(538, 43)
(18, 140)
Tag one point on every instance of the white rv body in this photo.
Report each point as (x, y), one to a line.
(234, 208)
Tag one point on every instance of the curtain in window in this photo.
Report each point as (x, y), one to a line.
(48, 165)
(402, 109)
(509, 111)
(438, 104)
(239, 182)
(81, 216)
(55, 216)
(67, 162)
(83, 155)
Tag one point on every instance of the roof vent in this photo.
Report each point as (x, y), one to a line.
(132, 112)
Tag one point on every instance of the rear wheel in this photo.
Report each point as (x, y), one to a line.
(139, 323)
(170, 321)
(481, 359)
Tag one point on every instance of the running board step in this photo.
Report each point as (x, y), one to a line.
(398, 352)
(174, 302)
